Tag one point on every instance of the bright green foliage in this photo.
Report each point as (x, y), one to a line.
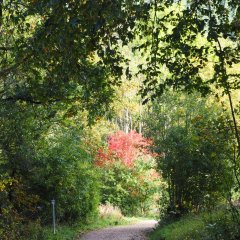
(193, 143)
(64, 172)
(131, 189)
(186, 38)
(57, 58)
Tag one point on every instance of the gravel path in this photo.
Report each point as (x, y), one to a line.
(136, 231)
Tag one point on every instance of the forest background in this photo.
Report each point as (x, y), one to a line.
(133, 104)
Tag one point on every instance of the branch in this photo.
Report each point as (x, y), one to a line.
(30, 100)
(6, 48)
(1, 12)
(226, 87)
(234, 121)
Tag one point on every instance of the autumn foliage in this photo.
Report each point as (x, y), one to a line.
(126, 147)
(129, 178)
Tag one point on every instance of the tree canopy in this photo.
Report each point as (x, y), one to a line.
(74, 129)
(64, 50)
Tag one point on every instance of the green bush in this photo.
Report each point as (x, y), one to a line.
(60, 169)
(75, 188)
(133, 190)
(194, 149)
(64, 172)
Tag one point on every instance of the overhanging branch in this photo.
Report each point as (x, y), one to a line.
(30, 100)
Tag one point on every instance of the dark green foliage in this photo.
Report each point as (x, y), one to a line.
(175, 44)
(65, 51)
(42, 161)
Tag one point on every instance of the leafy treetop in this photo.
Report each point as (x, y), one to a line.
(126, 147)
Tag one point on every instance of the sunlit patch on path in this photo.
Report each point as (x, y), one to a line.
(136, 231)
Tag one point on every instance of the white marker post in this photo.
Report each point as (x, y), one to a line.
(54, 216)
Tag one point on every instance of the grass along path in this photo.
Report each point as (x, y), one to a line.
(65, 232)
(217, 224)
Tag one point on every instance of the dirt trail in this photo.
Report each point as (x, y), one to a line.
(136, 231)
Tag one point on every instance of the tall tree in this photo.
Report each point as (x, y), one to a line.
(186, 38)
(194, 148)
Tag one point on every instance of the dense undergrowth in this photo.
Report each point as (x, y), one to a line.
(216, 225)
